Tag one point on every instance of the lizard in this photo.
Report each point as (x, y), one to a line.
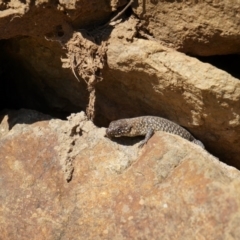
(146, 126)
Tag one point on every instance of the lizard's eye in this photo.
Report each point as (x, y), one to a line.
(123, 129)
(119, 130)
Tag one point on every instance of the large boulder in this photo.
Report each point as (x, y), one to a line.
(170, 189)
(195, 27)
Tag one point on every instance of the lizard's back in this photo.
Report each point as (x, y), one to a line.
(141, 125)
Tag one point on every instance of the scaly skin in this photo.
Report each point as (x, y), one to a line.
(146, 126)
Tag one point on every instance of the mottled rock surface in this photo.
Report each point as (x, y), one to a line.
(195, 27)
(170, 189)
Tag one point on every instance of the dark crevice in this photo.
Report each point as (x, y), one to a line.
(19, 90)
(228, 63)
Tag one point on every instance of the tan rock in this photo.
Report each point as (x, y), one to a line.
(195, 27)
(53, 20)
(170, 189)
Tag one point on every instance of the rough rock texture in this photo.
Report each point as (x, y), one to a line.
(196, 27)
(54, 19)
(117, 191)
(150, 79)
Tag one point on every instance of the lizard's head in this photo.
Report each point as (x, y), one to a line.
(118, 128)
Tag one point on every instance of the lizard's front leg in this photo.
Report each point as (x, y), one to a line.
(149, 134)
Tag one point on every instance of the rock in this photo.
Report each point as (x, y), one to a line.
(170, 189)
(53, 20)
(201, 28)
(145, 78)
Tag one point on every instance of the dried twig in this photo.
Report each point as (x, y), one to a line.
(88, 58)
(120, 13)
